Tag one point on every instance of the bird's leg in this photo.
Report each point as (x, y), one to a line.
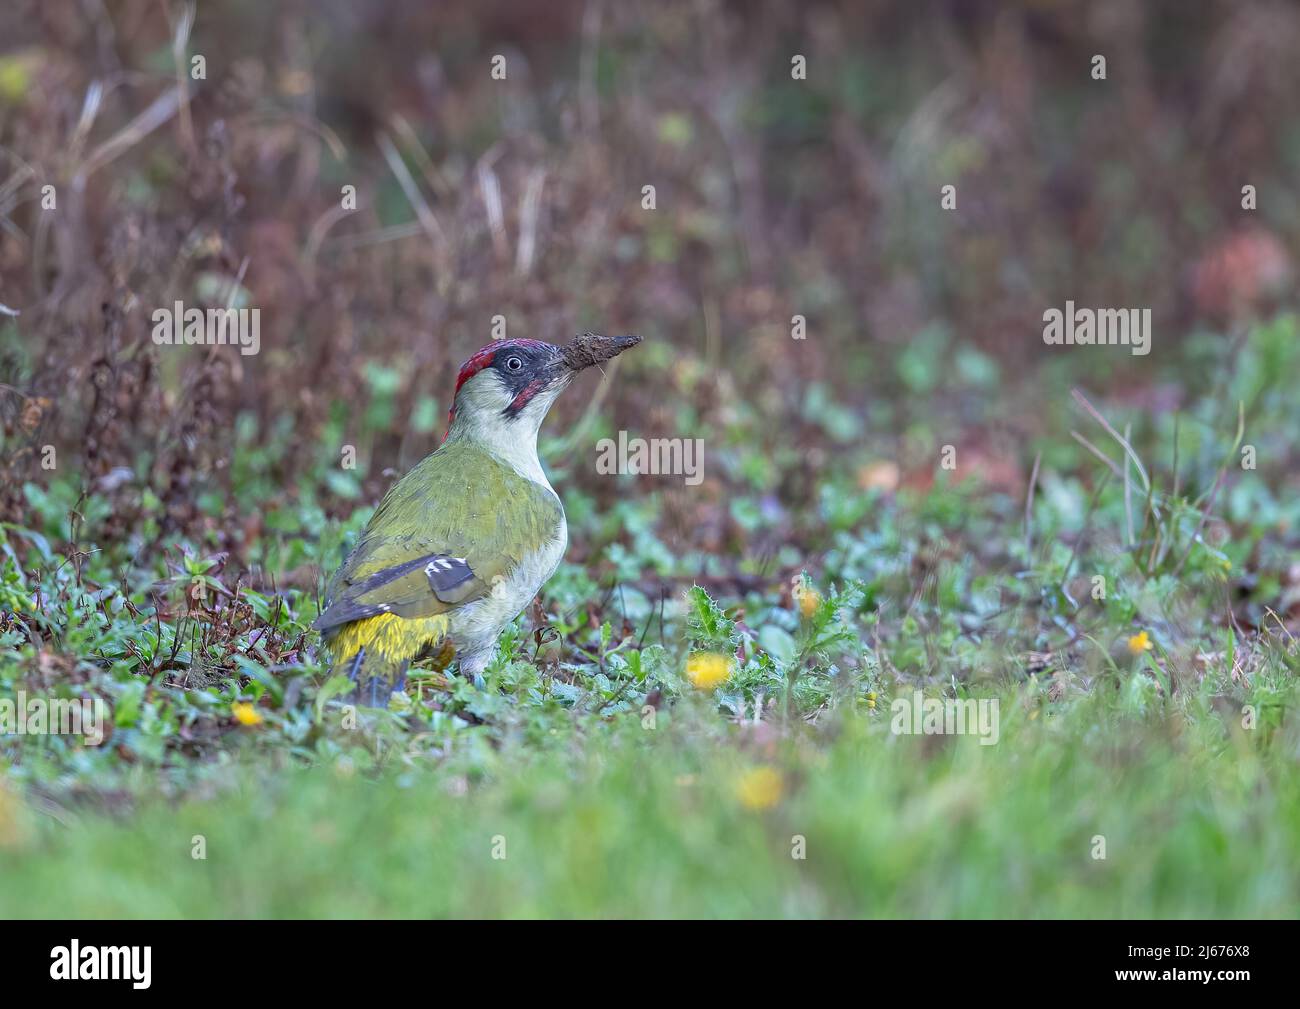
(472, 666)
(354, 674)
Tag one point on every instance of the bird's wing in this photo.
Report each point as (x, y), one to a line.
(413, 561)
(423, 586)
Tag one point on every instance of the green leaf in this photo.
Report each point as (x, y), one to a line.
(259, 674)
(708, 624)
(779, 642)
(335, 686)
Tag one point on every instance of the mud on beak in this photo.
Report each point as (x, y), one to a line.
(592, 348)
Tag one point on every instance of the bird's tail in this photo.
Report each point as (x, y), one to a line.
(375, 652)
(374, 678)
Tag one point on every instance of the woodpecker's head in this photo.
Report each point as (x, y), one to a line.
(507, 387)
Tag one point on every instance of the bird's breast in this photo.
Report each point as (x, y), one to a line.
(485, 618)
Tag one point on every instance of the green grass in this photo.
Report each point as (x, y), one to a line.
(613, 819)
(619, 789)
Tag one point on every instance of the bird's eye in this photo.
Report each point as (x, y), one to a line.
(514, 364)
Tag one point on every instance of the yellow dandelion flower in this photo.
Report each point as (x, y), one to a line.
(1140, 643)
(707, 670)
(245, 713)
(807, 599)
(760, 788)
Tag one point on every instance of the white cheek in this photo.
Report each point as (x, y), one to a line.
(485, 393)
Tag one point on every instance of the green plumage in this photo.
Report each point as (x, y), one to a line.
(463, 542)
(461, 504)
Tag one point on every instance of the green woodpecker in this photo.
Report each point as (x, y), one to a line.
(462, 543)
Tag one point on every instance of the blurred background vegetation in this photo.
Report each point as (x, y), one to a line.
(776, 197)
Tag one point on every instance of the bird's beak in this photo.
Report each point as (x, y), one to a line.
(591, 348)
